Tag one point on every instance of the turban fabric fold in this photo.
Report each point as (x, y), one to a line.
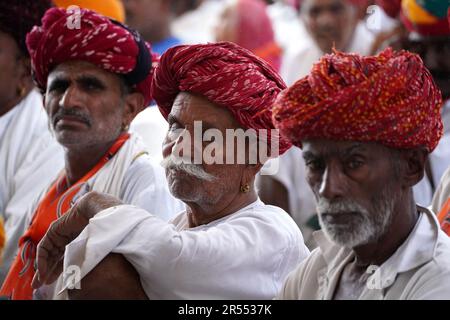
(17, 18)
(225, 74)
(96, 39)
(390, 99)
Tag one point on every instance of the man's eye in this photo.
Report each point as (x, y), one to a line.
(315, 165)
(174, 126)
(354, 164)
(57, 87)
(90, 86)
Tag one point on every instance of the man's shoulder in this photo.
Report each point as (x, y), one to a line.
(144, 166)
(432, 279)
(441, 257)
(303, 282)
(273, 221)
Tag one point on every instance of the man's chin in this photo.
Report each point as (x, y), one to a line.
(346, 236)
(181, 189)
(68, 139)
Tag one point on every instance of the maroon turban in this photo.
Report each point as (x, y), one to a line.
(390, 99)
(99, 40)
(225, 74)
(17, 18)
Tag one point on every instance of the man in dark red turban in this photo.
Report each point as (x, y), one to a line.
(366, 126)
(225, 74)
(88, 36)
(227, 243)
(96, 76)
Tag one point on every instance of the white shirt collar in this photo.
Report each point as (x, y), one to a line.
(416, 250)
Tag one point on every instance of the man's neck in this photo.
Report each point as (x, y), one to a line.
(404, 220)
(200, 214)
(79, 161)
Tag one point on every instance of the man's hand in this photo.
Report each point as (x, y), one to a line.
(50, 251)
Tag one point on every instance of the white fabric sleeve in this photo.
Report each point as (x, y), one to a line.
(242, 258)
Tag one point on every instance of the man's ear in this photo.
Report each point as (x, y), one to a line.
(414, 161)
(134, 103)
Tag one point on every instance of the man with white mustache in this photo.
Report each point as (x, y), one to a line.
(366, 126)
(227, 244)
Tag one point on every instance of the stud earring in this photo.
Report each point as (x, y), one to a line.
(245, 188)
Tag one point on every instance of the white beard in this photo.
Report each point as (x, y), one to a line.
(365, 227)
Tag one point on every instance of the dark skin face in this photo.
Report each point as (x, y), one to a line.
(338, 170)
(330, 22)
(15, 76)
(207, 200)
(87, 110)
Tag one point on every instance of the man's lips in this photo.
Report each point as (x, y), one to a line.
(70, 120)
(339, 217)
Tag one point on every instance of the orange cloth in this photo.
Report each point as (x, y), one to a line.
(444, 217)
(110, 8)
(2, 238)
(58, 200)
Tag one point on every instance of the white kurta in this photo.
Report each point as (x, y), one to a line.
(30, 158)
(152, 127)
(245, 255)
(291, 174)
(299, 60)
(418, 270)
(131, 176)
(197, 26)
(439, 161)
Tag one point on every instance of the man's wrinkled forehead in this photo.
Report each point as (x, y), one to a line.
(78, 68)
(189, 107)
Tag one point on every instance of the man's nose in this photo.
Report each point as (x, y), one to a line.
(326, 19)
(333, 184)
(70, 98)
(175, 143)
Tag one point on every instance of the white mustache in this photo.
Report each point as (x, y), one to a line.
(196, 170)
(325, 206)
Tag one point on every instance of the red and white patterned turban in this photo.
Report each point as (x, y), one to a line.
(225, 74)
(390, 99)
(99, 40)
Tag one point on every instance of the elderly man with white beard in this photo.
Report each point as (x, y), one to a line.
(227, 244)
(366, 126)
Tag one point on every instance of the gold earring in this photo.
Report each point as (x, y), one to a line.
(125, 127)
(245, 188)
(21, 92)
